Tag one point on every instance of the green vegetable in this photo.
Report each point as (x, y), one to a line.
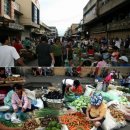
(46, 112)
(81, 102)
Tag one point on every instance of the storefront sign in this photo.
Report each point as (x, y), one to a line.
(16, 26)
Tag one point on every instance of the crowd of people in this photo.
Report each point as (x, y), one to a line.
(65, 52)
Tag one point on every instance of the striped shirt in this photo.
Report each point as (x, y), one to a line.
(23, 102)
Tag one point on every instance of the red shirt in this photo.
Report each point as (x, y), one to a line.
(78, 90)
(90, 52)
(18, 47)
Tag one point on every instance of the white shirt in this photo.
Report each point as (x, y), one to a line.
(68, 82)
(7, 56)
(118, 44)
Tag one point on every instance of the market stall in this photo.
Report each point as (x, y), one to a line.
(59, 113)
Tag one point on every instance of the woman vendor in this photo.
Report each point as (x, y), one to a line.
(96, 111)
(73, 86)
(20, 100)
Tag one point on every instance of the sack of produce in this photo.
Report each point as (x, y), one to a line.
(89, 90)
(118, 116)
(112, 123)
(99, 86)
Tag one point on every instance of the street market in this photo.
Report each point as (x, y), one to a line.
(54, 111)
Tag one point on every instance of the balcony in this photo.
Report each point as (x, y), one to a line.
(89, 5)
(17, 8)
(109, 5)
(119, 25)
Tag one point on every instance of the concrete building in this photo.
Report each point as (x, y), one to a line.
(9, 24)
(43, 30)
(19, 17)
(54, 32)
(31, 16)
(67, 32)
(72, 31)
(107, 18)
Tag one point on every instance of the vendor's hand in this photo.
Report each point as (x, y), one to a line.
(16, 110)
(87, 118)
(23, 109)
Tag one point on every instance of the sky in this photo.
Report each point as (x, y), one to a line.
(61, 13)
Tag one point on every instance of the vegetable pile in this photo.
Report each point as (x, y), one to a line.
(117, 114)
(46, 112)
(54, 95)
(54, 125)
(81, 102)
(8, 123)
(75, 121)
(123, 100)
(30, 125)
(44, 122)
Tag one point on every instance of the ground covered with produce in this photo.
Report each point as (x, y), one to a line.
(59, 113)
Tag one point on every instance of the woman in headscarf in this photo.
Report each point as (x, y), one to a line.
(96, 111)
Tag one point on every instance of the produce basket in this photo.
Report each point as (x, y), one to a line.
(54, 103)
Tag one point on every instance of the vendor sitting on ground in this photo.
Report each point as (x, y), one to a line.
(20, 101)
(96, 111)
(73, 86)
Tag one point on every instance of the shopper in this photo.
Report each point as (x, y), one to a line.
(8, 54)
(96, 112)
(57, 51)
(115, 56)
(44, 53)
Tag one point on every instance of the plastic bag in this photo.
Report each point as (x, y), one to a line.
(14, 118)
(88, 90)
(99, 86)
(69, 97)
(109, 123)
(64, 127)
(39, 104)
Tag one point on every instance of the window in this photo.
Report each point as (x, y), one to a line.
(7, 7)
(35, 14)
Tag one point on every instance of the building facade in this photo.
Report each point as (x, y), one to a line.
(19, 17)
(31, 16)
(54, 32)
(107, 18)
(8, 14)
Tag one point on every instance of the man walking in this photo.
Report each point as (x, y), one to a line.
(8, 54)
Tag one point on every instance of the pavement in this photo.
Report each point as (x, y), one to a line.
(39, 81)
